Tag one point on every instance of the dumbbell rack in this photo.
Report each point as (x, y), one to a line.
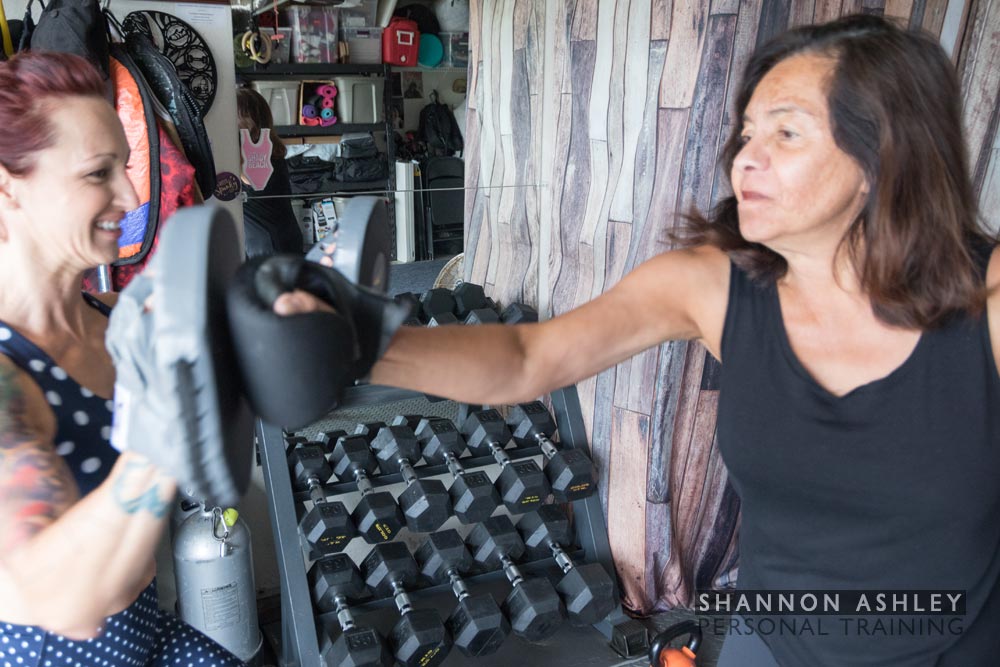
(299, 645)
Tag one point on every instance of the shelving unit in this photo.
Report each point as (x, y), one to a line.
(306, 71)
(301, 627)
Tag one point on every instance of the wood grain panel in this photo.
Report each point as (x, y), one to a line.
(933, 19)
(826, 10)
(899, 9)
(980, 70)
(700, 154)
(687, 34)
(800, 12)
(626, 508)
(659, 24)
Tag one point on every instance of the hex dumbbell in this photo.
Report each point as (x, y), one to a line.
(468, 297)
(473, 496)
(477, 626)
(570, 472)
(587, 590)
(425, 502)
(336, 583)
(327, 527)
(435, 302)
(533, 607)
(519, 313)
(521, 484)
(376, 516)
(419, 638)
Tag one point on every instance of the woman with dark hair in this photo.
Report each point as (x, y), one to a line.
(269, 224)
(79, 522)
(851, 295)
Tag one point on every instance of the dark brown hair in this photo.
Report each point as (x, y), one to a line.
(30, 82)
(895, 108)
(253, 113)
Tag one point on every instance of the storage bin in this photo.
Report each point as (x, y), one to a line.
(359, 99)
(364, 45)
(282, 97)
(314, 34)
(282, 48)
(456, 49)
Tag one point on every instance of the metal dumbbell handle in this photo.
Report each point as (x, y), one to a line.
(344, 615)
(316, 490)
(454, 465)
(364, 484)
(458, 586)
(513, 574)
(499, 454)
(406, 469)
(548, 448)
(562, 560)
(403, 602)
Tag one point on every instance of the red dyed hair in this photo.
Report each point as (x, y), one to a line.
(28, 83)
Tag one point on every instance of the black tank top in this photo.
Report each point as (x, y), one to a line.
(895, 485)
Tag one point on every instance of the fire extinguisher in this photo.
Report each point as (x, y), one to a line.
(213, 566)
(660, 655)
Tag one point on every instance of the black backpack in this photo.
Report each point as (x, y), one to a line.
(439, 129)
(72, 26)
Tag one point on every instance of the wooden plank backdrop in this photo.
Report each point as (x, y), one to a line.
(636, 96)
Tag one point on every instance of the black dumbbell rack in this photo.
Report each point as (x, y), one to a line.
(299, 643)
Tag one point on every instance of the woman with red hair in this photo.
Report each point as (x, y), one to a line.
(79, 522)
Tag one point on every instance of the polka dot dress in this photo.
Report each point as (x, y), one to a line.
(141, 634)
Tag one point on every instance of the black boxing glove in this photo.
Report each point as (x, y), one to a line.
(295, 367)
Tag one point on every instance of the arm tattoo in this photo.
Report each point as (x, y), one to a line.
(134, 493)
(35, 485)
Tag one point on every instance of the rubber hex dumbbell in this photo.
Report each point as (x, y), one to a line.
(425, 502)
(412, 421)
(336, 583)
(570, 472)
(419, 638)
(327, 527)
(435, 302)
(468, 297)
(477, 626)
(519, 313)
(521, 484)
(369, 429)
(482, 316)
(587, 590)
(376, 516)
(328, 439)
(473, 496)
(533, 607)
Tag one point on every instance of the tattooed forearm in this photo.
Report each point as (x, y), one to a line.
(136, 488)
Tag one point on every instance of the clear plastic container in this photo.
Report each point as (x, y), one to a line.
(314, 34)
(364, 45)
(456, 49)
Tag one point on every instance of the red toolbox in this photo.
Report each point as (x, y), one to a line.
(400, 42)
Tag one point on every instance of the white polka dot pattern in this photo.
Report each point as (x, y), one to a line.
(58, 373)
(139, 636)
(5, 334)
(90, 465)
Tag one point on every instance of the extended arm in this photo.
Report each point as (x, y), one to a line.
(677, 295)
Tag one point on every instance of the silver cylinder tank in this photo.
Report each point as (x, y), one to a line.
(213, 566)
